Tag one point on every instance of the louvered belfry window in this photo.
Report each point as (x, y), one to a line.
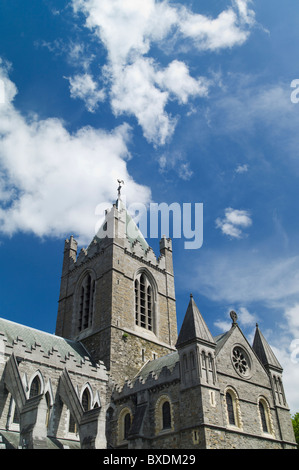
(143, 302)
(86, 303)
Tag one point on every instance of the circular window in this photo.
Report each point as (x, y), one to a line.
(241, 361)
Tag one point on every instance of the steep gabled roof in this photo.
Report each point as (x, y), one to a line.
(194, 326)
(221, 339)
(31, 337)
(264, 351)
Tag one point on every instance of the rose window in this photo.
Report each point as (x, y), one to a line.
(240, 361)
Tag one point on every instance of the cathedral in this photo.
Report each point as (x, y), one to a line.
(118, 375)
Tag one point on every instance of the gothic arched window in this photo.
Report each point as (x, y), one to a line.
(230, 409)
(86, 302)
(143, 302)
(127, 425)
(166, 415)
(263, 417)
(86, 400)
(35, 388)
(124, 424)
(233, 410)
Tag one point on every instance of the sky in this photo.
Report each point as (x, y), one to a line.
(188, 102)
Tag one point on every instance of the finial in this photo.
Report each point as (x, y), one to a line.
(234, 317)
(191, 296)
(120, 183)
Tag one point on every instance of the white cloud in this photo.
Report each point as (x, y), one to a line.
(140, 87)
(175, 162)
(233, 221)
(243, 277)
(241, 169)
(223, 325)
(213, 34)
(176, 79)
(134, 92)
(52, 180)
(83, 86)
(245, 317)
(292, 316)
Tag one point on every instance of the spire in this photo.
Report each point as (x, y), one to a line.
(126, 228)
(264, 351)
(194, 326)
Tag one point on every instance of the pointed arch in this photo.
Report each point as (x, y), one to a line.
(84, 301)
(36, 386)
(86, 397)
(265, 417)
(145, 289)
(125, 419)
(232, 408)
(164, 414)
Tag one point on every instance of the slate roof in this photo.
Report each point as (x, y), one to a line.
(194, 326)
(264, 351)
(47, 342)
(157, 365)
(221, 339)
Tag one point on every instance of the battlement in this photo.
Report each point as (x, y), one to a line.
(49, 350)
(96, 248)
(155, 374)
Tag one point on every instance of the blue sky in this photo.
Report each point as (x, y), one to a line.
(187, 102)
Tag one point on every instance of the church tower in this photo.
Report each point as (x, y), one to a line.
(199, 382)
(267, 357)
(117, 298)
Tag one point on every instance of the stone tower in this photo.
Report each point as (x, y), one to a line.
(274, 371)
(199, 383)
(117, 298)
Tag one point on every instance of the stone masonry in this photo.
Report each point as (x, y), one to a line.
(117, 375)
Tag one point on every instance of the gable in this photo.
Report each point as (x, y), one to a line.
(235, 357)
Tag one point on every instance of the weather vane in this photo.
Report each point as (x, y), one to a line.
(120, 183)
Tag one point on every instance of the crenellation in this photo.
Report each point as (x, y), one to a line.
(82, 256)
(116, 374)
